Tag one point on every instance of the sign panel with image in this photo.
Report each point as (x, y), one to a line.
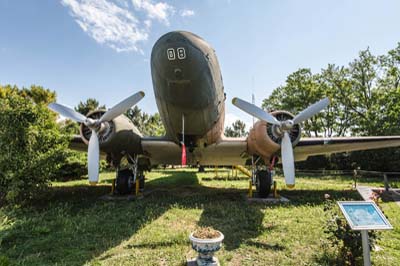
(364, 215)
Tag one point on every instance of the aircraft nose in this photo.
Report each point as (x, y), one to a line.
(181, 68)
(179, 56)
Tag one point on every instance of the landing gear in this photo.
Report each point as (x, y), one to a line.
(263, 183)
(127, 176)
(201, 169)
(125, 182)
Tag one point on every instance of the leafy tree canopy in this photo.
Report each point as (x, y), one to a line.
(30, 141)
(90, 104)
(364, 96)
(238, 129)
(148, 125)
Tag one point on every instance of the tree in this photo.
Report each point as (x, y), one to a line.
(365, 100)
(37, 94)
(390, 64)
(335, 84)
(69, 127)
(31, 146)
(238, 129)
(90, 104)
(148, 125)
(363, 75)
(300, 91)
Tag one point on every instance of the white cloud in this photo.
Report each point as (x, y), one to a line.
(108, 23)
(147, 23)
(160, 11)
(187, 13)
(117, 23)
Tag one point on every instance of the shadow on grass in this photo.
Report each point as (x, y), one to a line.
(258, 244)
(317, 197)
(75, 226)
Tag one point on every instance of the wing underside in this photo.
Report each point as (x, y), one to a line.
(233, 151)
(317, 146)
(225, 152)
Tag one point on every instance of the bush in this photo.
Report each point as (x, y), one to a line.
(385, 160)
(31, 148)
(73, 165)
(4, 261)
(341, 236)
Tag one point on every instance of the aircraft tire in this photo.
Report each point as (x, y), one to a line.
(264, 182)
(141, 182)
(122, 185)
(201, 169)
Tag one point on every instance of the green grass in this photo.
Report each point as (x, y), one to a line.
(75, 227)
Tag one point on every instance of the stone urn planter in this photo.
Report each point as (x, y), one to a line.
(206, 242)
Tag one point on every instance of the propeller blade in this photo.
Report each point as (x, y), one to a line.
(311, 110)
(121, 107)
(255, 111)
(67, 112)
(287, 160)
(93, 158)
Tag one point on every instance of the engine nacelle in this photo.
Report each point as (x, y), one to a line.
(115, 136)
(265, 139)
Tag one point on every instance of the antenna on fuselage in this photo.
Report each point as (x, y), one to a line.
(253, 101)
(253, 98)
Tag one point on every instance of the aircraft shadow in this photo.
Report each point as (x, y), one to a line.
(75, 225)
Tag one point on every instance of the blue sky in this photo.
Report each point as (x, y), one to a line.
(101, 49)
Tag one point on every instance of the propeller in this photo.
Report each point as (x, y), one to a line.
(96, 126)
(284, 128)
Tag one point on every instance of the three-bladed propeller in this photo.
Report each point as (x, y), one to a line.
(284, 129)
(96, 126)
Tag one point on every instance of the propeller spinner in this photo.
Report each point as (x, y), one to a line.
(96, 126)
(284, 127)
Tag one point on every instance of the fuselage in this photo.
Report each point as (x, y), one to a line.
(188, 86)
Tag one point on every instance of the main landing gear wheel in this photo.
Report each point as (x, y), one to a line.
(201, 169)
(263, 183)
(123, 184)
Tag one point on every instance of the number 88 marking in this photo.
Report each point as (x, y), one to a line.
(180, 52)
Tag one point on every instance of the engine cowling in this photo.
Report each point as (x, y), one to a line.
(116, 136)
(265, 139)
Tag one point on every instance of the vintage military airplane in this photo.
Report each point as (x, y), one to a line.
(191, 101)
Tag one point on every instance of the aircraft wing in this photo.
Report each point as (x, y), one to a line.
(233, 151)
(229, 151)
(161, 150)
(317, 146)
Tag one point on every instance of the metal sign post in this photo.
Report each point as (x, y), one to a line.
(363, 216)
(365, 245)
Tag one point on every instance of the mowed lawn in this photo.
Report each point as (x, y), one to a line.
(76, 227)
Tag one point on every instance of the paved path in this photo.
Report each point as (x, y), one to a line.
(395, 193)
(366, 193)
